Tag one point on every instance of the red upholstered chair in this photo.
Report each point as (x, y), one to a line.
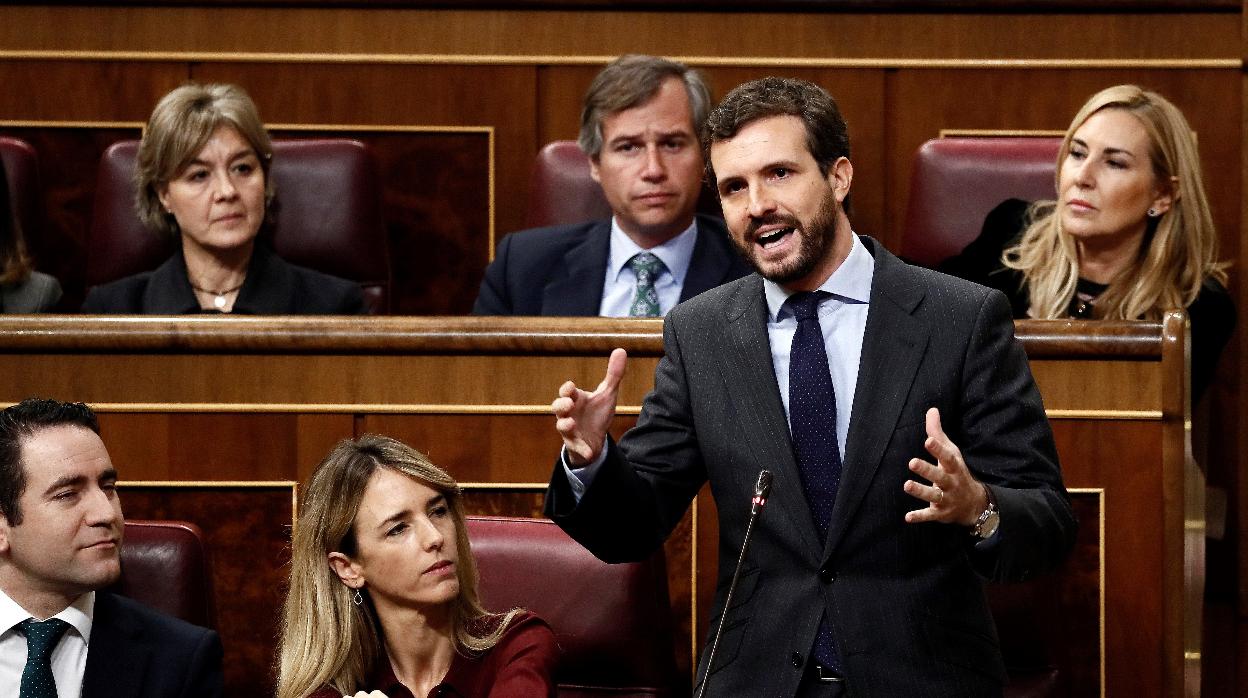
(562, 192)
(21, 169)
(560, 189)
(613, 622)
(164, 564)
(955, 182)
(327, 217)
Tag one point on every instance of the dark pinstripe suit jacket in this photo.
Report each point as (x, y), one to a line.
(905, 601)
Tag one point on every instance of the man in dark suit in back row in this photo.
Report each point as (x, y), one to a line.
(639, 128)
(896, 410)
(61, 636)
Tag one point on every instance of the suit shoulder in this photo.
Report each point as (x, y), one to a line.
(124, 295)
(160, 626)
(554, 238)
(37, 294)
(327, 294)
(711, 302)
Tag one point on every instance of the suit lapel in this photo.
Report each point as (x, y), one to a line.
(169, 290)
(892, 349)
(576, 290)
(117, 658)
(710, 262)
(753, 390)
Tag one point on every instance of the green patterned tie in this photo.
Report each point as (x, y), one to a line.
(41, 638)
(647, 267)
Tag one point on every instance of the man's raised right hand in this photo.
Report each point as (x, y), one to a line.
(582, 418)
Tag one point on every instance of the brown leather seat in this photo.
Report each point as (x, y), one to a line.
(21, 169)
(328, 216)
(164, 564)
(955, 182)
(613, 622)
(562, 192)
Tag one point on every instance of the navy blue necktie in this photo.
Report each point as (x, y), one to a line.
(812, 421)
(41, 638)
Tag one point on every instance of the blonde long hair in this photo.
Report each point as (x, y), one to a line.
(326, 639)
(1180, 248)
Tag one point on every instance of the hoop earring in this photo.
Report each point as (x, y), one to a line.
(357, 598)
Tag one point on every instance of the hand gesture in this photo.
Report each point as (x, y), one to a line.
(582, 418)
(954, 496)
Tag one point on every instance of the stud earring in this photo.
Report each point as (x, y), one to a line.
(1153, 213)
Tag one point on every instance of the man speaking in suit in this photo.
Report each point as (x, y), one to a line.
(60, 544)
(910, 451)
(639, 127)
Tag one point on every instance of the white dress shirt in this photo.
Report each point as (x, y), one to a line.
(619, 288)
(843, 320)
(69, 657)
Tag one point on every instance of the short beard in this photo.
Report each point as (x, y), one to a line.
(817, 238)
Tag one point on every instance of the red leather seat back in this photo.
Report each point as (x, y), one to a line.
(955, 182)
(164, 564)
(561, 190)
(613, 622)
(21, 169)
(327, 216)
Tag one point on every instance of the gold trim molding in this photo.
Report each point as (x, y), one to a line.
(327, 408)
(1099, 492)
(234, 484)
(998, 133)
(1136, 415)
(882, 62)
(517, 486)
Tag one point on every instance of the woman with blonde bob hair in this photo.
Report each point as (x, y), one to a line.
(383, 589)
(1129, 237)
(203, 177)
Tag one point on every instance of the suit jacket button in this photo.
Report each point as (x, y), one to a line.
(825, 575)
(797, 660)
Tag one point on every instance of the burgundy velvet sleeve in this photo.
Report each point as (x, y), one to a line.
(523, 662)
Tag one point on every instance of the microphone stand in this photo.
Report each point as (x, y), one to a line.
(762, 488)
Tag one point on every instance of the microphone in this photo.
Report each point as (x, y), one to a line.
(762, 489)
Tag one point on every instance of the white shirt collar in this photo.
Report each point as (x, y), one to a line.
(80, 614)
(851, 282)
(675, 253)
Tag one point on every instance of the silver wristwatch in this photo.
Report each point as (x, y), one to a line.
(986, 525)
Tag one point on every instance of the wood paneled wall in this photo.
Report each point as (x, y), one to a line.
(901, 78)
(209, 401)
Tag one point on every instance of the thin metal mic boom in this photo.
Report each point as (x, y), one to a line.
(762, 489)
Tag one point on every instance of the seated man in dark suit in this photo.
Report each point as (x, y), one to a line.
(639, 128)
(60, 544)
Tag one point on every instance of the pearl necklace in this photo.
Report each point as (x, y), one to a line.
(218, 300)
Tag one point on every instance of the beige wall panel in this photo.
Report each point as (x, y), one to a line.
(500, 97)
(572, 33)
